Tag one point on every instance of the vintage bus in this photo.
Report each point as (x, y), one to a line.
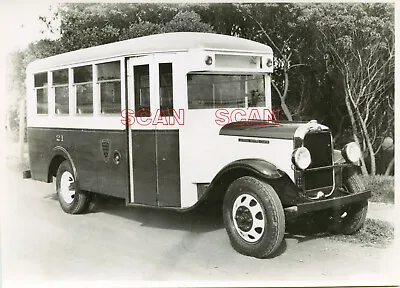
(177, 119)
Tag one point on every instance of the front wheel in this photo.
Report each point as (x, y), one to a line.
(71, 199)
(355, 214)
(253, 217)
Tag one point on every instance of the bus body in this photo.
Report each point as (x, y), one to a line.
(173, 119)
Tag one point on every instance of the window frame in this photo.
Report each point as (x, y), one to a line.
(53, 91)
(75, 92)
(45, 88)
(135, 95)
(170, 110)
(99, 82)
(263, 77)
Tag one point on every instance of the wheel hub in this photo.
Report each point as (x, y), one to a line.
(244, 218)
(67, 187)
(248, 218)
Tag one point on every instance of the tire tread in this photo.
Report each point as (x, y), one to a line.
(81, 199)
(267, 195)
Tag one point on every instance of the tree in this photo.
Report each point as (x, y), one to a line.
(358, 40)
(86, 25)
(283, 45)
(274, 25)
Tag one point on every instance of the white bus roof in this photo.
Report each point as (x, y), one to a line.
(159, 43)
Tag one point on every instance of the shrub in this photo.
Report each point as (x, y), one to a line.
(382, 188)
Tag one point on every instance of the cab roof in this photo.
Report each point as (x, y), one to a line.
(158, 43)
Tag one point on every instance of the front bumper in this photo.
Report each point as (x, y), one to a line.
(334, 203)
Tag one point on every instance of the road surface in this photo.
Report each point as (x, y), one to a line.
(120, 246)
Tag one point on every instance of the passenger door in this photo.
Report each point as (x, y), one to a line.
(142, 162)
(154, 148)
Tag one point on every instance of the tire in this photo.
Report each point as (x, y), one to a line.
(356, 213)
(253, 217)
(72, 200)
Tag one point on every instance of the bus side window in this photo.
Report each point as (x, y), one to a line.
(61, 91)
(109, 79)
(83, 82)
(166, 94)
(41, 93)
(142, 91)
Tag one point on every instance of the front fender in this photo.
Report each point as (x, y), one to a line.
(260, 167)
(257, 168)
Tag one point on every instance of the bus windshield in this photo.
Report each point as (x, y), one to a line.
(208, 91)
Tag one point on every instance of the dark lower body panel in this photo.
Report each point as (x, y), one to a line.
(156, 166)
(91, 152)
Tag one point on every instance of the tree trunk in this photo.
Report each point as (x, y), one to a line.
(366, 138)
(21, 129)
(286, 110)
(282, 96)
(390, 167)
(364, 170)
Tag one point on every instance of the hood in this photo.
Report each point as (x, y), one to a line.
(262, 129)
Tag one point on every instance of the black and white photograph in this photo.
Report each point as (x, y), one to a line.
(198, 144)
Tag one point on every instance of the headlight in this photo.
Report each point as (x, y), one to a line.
(351, 152)
(301, 157)
(269, 62)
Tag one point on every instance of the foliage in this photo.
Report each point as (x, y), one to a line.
(357, 41)
(86, 25)
(376, 233)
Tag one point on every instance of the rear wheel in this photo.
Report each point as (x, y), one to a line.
(71, 199)
(253, 217)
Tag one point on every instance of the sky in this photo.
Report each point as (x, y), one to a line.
(19, 26)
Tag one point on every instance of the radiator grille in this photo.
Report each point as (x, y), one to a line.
(320, 147)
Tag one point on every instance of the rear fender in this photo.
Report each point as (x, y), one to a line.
(60, 154)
